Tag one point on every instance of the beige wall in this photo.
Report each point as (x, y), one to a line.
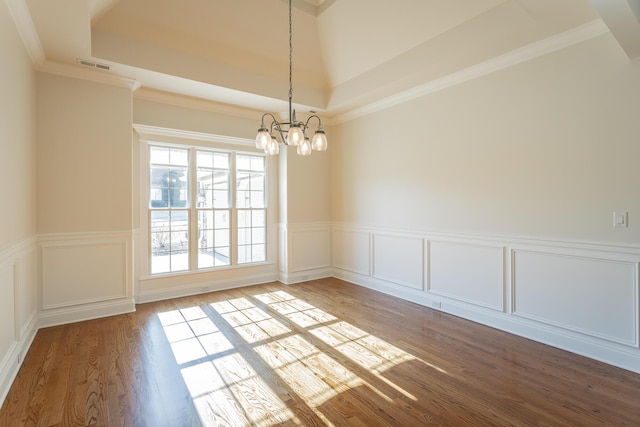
(548, 148)
(308, 184)
(84, 156)
(152, 113)
(17, 137)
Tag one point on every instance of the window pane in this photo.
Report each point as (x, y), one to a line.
(180, 260)
(221, 180)
(258, 253)
(244, 220)
(204, 159)
(222, 237)
(178, 189)
(160, 264)
(220, 199)
(257, 199)
(244, 236)
(179, 157)
(222, 219)
(257, 163)
(257, 235)
(243, 163)
(213, 235)
(205, 179)
(159, 155)
(244, 254)
(257, 218)
(205, 258)
(243, 181)
(221, 160)
(213, 173)
(242, 199)
(169, 241)
(222, 256)
(257, 181)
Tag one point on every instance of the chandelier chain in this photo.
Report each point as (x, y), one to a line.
(290, 60)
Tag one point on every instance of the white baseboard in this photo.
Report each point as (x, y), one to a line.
(151, 295)
(304, 276)
(79, 313)
(14, 358)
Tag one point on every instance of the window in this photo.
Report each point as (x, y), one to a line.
(206, 209)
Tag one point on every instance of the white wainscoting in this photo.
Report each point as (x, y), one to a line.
(305, 251)
(85, 276)
(350, 250)
(580, 297)
(470, 272)
(398, 259)
(18, 309)
(592, 294)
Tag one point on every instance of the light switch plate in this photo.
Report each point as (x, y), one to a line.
(620, 219)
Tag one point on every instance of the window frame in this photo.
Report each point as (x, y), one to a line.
(213, 143)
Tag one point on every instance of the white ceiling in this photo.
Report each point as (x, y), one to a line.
(347, 54)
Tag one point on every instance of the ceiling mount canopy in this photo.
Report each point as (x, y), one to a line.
(292, 132)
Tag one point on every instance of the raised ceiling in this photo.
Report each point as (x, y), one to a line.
(347, 53)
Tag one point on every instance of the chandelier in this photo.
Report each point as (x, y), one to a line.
(292, 132)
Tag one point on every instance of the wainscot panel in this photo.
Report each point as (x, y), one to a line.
(83, 276)
(351, 250)
(469, 272)
(399, 259)
(592, 294)
(305, 251)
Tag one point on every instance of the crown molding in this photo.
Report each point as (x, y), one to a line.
(21, 16)
(82, 73)
(534, 50)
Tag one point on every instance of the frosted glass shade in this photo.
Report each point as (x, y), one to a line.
(262, 139)
(295, 136)
(304, 149)
(273, 147)
(319, 141)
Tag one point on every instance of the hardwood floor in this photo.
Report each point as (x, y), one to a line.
(320, 353)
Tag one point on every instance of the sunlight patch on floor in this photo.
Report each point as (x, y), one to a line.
(293, 340)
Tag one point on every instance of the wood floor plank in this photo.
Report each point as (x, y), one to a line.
(319, 353)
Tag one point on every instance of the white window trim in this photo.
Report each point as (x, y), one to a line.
(151, 135)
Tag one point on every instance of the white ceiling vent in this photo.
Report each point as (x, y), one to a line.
(92, 64)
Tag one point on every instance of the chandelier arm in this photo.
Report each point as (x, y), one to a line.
(306, 125)
(272, 118)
